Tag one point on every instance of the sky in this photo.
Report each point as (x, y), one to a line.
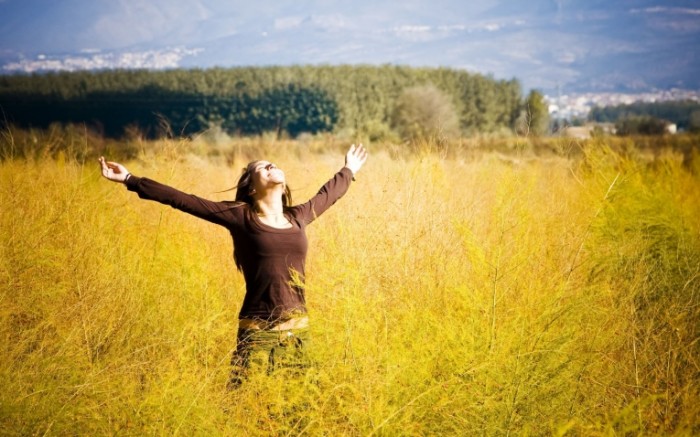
(569, 45)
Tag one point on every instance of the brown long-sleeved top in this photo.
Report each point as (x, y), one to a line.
(272, 259)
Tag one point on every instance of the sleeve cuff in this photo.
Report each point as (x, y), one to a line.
(344, 169)
(132, 182)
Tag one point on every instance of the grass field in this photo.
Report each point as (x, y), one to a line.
(450, 294)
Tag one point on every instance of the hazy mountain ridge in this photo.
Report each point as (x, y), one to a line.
(573, 46)
(616, 77)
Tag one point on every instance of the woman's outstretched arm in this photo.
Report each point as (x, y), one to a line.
(335, 188)
(221, 213)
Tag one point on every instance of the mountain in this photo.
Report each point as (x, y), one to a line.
(571, 45)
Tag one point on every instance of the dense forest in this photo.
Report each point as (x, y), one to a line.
(253, 100)
(685, 114)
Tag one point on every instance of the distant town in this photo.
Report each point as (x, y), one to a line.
(576, 106)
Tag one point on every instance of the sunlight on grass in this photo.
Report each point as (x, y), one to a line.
(448, 295)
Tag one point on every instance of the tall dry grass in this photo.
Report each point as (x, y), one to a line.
(449, 296)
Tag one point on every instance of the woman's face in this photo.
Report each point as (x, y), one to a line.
(266, 175)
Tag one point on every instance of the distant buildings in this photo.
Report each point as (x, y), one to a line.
(589, 130)
(577, 106)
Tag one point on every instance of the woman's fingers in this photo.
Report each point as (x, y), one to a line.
(113, 170)
(355, 158)
(104, 167)
(359, 152)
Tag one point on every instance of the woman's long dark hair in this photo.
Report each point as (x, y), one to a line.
(243, 195)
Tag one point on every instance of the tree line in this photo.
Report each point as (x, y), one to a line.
(649, 117)
(374, 101)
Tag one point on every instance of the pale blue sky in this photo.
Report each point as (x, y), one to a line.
(573, 43)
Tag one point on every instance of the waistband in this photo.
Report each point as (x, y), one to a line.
(295, 323)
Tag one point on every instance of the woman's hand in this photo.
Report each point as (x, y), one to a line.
(355, 158)
(114, 171)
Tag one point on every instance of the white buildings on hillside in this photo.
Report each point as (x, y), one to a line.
(577, 106)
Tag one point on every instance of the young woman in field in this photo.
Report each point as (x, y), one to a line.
(270, 248)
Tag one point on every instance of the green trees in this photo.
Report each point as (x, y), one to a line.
(292, 108)
(534, 116)
(694, 121)
(640, 125)
(424, 112)
(361, 100)
(678, 112)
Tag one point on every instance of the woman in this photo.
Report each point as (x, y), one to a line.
(270, 248)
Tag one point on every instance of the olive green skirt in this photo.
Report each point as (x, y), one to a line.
(259, 350)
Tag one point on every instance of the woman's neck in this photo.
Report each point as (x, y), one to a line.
(269, 205)
(271, 210)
